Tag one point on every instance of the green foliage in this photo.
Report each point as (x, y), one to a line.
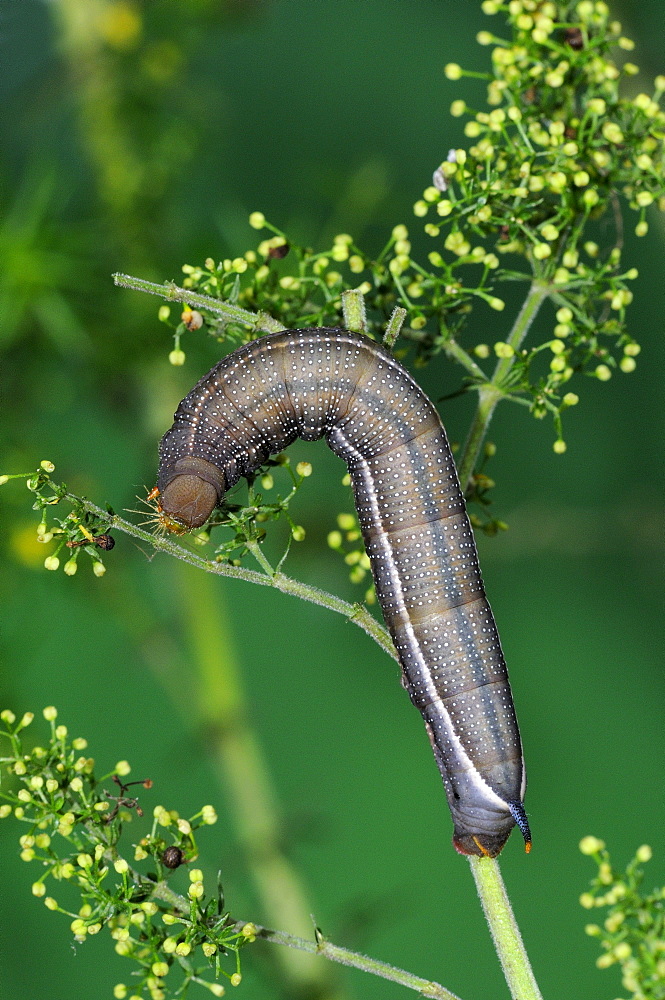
(80, 530)
(633, 933)
(76, 832)
(558, 146)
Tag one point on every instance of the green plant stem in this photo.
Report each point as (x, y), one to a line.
(173, 293)
(491, 392)
(505, 932)
(393, 326)
(355, 613)
(353, 310)
(335, 953)
(453, 350)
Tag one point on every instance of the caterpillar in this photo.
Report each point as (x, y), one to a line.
(327, 382)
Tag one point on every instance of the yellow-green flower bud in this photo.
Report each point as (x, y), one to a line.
(257, 220)
(541, 251)
(591, 845)
(208, 815)
(644, 853)
(453, 71)
(612, 132)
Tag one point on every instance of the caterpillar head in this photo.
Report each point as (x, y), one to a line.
(189, 494)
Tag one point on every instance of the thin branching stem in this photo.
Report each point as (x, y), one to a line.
(491, 392)
(320, 946)
(355, 613)
(227, 310)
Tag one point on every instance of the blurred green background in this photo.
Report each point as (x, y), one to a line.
(139, 137)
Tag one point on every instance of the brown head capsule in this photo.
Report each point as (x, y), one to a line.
(191, 492)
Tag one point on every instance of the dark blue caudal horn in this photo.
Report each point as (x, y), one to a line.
(518, 813)
(341, 386)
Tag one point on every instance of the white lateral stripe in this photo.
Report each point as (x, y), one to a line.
(477, 777)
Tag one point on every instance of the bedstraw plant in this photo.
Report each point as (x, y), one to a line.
(563, 155)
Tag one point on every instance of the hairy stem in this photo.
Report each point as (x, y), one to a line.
(228, 311)
(353, 310)
(453, 350)
(356, 613)
(505, 932)
(491, 392)
(333, 952)
(394, 326)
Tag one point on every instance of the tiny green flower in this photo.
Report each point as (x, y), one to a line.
(591, 845)
(541, 251)
(453, 71)
(257, 220)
